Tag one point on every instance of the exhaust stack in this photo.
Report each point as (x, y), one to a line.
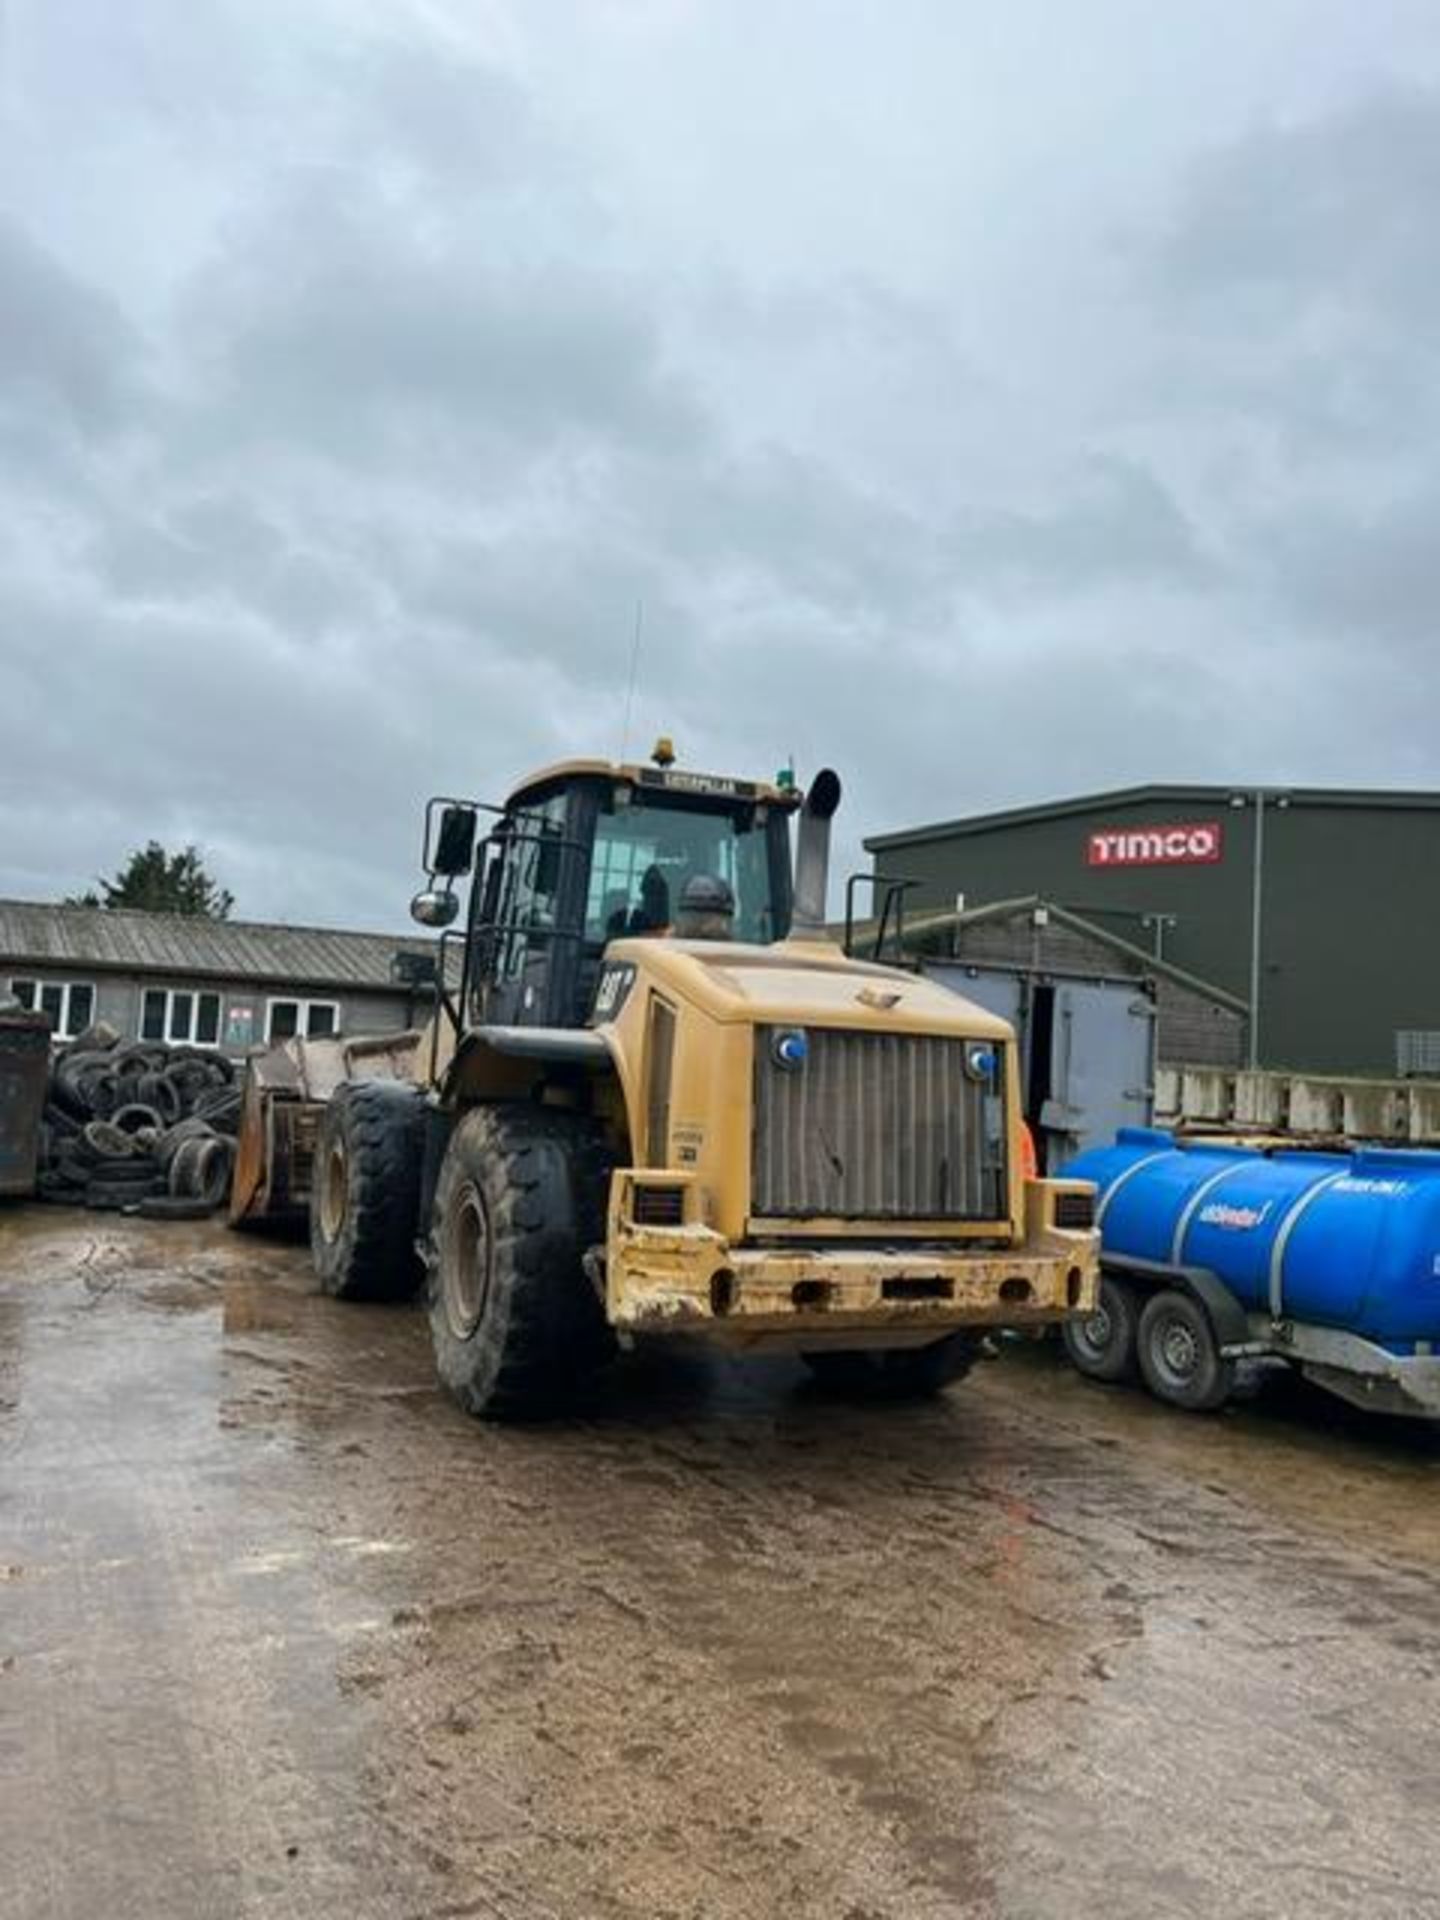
(812, 856)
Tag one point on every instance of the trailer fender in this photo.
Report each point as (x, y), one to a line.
(1227, 1316)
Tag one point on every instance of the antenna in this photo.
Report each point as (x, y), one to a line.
(634, 664)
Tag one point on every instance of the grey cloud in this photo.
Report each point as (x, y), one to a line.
(1293, 390)
(356, 333)
(1335, 209)
(63, 345)
(206, 554)
(457, 120)
(778, 519)
(1360, 576)
(1117, 525)
(1297, 278)
(361, 507)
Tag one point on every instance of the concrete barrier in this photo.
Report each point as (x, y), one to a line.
(1303, 1106)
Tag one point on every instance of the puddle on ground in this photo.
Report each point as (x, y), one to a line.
(253, 1303)
(184, 1293)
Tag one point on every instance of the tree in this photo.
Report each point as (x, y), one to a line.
(159, 882)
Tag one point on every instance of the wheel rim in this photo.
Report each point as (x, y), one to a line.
(334, 1191)
(1176, 1352)
(1095, 1332)
(465, 1272)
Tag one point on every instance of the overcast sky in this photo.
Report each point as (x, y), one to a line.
(992, 400)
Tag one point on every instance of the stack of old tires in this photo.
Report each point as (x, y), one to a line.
(146, 1129)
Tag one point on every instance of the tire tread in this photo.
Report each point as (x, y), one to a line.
(543, 1177)
(373, 1257)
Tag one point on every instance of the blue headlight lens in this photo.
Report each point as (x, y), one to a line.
(981, 1061)
(790, 1049)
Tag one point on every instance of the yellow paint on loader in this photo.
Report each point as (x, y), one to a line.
(768, 1145)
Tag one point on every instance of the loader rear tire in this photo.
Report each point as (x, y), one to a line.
(517, 1327)
(894, 1373)
(365, 1191)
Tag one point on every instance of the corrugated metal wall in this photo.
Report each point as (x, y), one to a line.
(1346, 956)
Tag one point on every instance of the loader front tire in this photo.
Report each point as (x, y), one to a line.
(518, 1329)
(365, 1191)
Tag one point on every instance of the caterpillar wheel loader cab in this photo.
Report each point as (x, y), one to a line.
(656, 1099)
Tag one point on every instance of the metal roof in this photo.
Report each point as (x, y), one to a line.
(123, 940)
(921, 924)
(1214, 796)
(676, 779)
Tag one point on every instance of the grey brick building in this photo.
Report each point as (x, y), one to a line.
(230, 984)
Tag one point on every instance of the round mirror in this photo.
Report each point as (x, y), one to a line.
(434, 907)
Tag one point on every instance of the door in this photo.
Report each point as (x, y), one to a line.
(997, 992)
(528, 927)
(1102, 1056)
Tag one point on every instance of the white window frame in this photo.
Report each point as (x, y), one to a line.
(302, 1016)
(168, 1034)
(65, 1028)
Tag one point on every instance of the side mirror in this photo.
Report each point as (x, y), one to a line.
(436, 906)
(455, 842)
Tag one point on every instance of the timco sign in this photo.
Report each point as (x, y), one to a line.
(1199, 843)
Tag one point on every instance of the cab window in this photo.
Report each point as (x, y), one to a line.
(530, 885)
(646, 850)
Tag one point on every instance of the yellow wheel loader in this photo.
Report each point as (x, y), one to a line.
(657, 1099)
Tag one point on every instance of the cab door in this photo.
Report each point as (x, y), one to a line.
(528, 930)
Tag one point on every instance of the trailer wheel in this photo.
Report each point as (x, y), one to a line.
(894, 1373)
(365, 1191)
(1101, 1345)
(517, 1327)
(1180, 1359)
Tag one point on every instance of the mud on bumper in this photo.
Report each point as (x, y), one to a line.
(688, 1278)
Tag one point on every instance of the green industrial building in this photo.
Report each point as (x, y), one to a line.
(1309, 904)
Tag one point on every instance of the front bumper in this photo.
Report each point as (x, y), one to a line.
(690, 1279)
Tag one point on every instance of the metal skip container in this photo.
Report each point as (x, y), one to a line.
(1333, 1258)
(24, 1075)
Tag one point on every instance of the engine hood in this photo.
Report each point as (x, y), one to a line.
(798, 981)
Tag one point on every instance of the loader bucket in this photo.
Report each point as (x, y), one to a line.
(284, 1094)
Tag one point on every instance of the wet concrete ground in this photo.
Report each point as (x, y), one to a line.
(283, 1634)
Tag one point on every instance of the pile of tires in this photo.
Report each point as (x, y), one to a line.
(146, 1129)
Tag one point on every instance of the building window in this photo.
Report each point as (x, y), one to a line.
(207, 1019)
(69, 1004)
(178, 1015)
(312, 1018)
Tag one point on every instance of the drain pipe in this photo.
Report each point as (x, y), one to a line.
(812, 856)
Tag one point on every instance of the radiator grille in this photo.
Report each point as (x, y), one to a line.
(876, 1126)
(657, 1206)
(1074, 1209)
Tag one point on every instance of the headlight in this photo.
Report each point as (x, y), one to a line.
(791, 1048)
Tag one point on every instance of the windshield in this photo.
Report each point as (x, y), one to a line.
(646, 850)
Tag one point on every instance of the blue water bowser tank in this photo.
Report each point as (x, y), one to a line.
(1346, 1240)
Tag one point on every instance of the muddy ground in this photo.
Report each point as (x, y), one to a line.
(283, 1634)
